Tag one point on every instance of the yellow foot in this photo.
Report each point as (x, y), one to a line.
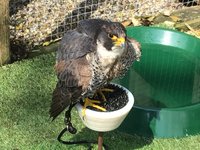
(100, 91)
(89, 102)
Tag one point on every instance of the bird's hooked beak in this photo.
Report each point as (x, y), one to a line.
(119, 41)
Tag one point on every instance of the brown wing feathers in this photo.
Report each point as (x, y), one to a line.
(74, 77)
(73, 70)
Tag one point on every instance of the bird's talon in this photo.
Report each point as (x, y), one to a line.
(107, 90)
(100, 91)
(89, 102)
(99, 107)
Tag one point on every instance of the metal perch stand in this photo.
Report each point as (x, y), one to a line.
(100, 140)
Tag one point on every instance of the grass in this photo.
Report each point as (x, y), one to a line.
(25, 96)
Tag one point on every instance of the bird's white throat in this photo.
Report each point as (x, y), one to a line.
(108, 57)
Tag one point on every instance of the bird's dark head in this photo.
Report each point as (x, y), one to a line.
(112, 35)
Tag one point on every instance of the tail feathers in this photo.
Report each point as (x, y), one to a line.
(60, 101)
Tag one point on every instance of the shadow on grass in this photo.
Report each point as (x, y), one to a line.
(114, 140)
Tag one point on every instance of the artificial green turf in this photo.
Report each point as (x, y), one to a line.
(25, 96)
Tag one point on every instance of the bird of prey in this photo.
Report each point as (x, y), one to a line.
(88, 58)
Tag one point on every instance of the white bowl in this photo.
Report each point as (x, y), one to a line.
(106, 121)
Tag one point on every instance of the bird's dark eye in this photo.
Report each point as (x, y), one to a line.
(110, 35)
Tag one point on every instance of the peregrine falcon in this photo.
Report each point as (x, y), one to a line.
(89, 57)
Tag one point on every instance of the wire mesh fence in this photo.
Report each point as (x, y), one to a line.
(36, 22)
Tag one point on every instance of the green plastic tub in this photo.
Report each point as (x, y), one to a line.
(165, 84)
